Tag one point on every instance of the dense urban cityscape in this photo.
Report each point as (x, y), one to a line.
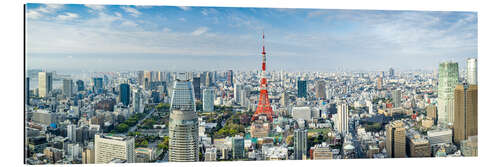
(235, 114)
(160, 116)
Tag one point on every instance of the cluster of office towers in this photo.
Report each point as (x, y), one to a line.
(457, 108)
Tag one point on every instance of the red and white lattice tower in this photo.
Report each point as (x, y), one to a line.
(264, 106)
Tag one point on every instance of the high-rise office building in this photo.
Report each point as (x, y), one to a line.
(230, 78)
(109, 147)
(320, 89)
(237, 92)
(80, 86)
(197, 89)
(125, 94)
(238, 147)
(136, 104)
(302, 89)
(44, 83)
(140, 77)
(183, 125)
(391, 72)
(380, 83)
(98, 85)
(71, 132)
(448, 79)
(208, 99)
(472, 71)
(300, 144)
(68, 87)
(395, 141)
(342, 117)
(465, 122)
(88, 155)
(396, 98)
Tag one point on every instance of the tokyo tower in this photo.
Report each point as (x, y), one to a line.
(264, 106)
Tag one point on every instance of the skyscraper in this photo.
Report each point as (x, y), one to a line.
(300, 144)
(396, 98)
(391, 72)
(230, 78)
(238, 147)
(137, 101)
(44, 83)
(320, 89)
(109, 147)
(395, 141)
(183, 125)
(208, 99)
(140, 77)
(342, 117)
(237, 92)
(302, 89)
(448, 79)
(379, 83)
(80, 86)
(125, 94)
(98, 85)
(196, 85)
(465, 122)
(472, 71)
(68, 87)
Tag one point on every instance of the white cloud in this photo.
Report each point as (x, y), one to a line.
(96, 7)
(185, 8)
(132, 11)
(128, 23)
(208, 11)
(67, 16)
(199, 31)
(182, 19)
(43, 10)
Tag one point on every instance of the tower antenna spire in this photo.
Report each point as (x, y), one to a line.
(264, 106)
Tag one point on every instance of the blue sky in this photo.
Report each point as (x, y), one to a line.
(126, 38)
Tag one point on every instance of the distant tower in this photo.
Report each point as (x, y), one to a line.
(472, 71)
(44, 83)
(343, 117)
(264, 106)
(396, 98)
(68, 87)
(125, 94)
(302, 88)
(320, 89)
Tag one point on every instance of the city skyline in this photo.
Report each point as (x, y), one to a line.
(115, 37)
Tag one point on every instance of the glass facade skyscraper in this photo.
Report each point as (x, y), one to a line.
(125, 94)
(302, 88)
(183, 125)
(448, 80)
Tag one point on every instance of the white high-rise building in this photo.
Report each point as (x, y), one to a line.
(109, 147)
(237, 92)
(342, 117)
(183, 125)
(71, 132)
(472, 71)
(44, 83)
(137, 102)
(396, 98)
(448, 80)
(208, 99)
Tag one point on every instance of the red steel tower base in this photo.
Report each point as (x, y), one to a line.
(264, 106)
